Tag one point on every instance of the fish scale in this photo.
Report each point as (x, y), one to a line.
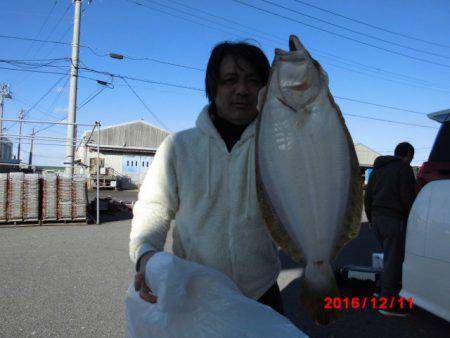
(307, 173)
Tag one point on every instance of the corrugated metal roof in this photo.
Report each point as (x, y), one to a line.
(134, 134)
(366, 156)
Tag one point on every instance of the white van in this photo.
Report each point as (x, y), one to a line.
(426, 269)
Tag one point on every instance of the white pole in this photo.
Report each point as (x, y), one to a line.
(98, 173)
(70, 148)
(21, 116)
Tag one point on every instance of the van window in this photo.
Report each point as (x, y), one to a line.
(128, 163)
(143, 163)
(441, 147)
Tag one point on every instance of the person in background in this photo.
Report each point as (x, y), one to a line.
(204, 179)
(388, 199)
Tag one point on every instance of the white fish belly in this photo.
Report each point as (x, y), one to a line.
(306, 172)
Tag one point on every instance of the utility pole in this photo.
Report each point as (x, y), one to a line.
(71, 119)
(4, 94)
(21, 116)
(30, 158)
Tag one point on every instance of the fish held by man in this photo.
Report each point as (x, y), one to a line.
(308, 177)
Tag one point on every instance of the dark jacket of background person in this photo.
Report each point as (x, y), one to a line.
(391, 189)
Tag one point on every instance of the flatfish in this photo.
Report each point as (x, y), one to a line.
(308, 177)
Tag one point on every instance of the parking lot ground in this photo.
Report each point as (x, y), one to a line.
(70, 281)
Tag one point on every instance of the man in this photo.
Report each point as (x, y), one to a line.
(388, 199)
(204, 179)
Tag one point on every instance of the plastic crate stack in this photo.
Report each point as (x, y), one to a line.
(15, 193)
(79, 198)
(49, 197)
(3, 196)
(64, 197)
(31, 197)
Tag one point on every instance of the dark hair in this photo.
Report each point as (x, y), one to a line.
(403, 149)
(250, 53)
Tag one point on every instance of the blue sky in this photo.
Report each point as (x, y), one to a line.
(356, 70)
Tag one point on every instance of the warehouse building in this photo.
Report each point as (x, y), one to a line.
(366, 156)
(126, 152)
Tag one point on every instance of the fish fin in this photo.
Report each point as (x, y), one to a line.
(318, 284)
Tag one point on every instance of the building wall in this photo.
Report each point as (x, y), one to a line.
(132, 168)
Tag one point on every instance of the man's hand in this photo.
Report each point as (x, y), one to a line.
(139, 280)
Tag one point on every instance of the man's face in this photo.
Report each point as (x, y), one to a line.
(237, 91)
(408, 158)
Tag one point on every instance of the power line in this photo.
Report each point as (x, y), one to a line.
(46, 72)
(379, 105)
(343, 36)
(146, 107)
(43, 25)
(376, 76)
(141, 80)
(40, 99)
(49, 41)
(373, 26)
(182, 18)
(278, 39)
(195, 16)
(355, 31)
(91, 97)
(55, 26)
(390, 121)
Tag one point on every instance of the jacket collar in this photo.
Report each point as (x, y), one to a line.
(205, 124)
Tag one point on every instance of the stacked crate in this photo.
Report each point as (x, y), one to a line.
(79, 198)
(64, 209)
(31, 197)
(15, 193)
(3, 196)
(49, 197)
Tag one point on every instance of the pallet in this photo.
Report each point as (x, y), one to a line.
(29, 223)
(63, 221)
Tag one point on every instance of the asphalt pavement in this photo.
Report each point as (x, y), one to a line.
(70, 281)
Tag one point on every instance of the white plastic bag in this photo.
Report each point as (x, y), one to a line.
(197, 301)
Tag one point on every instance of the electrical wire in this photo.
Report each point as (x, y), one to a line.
(145, 105)
(3, 36)
(40, 99)
(343, 36)
(278, 40)
(91, 97)
(182, 18)
(373, 26)
(390, 121)
(355, 31)
(42, 27)
(379, 105)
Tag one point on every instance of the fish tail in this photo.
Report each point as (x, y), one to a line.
(318, 284)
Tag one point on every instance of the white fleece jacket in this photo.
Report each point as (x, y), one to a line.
(211, 194)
